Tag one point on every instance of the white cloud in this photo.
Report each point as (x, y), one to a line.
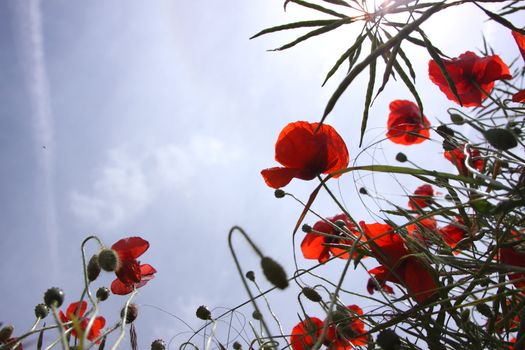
(129, 182)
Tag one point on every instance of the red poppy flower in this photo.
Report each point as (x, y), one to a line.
(406, 124)
(130, 274)
(397, 266)
(458, 158)
(453, 232)
(472, 75)
(316, 246)
(422, 197)
(306, 154)
(346, 329)
(147, 273)
(72, 313)
(305, 334)
(520, 41)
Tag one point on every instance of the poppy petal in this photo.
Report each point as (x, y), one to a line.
(129, 271)
(130, 248)
(278, 177)
(418, 280)
(520, 41)
(519, 96)
(119, 288)
(313, 247)
(305, 333)
(72, 310)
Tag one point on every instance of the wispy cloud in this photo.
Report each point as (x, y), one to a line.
(129, 182)
(30, 45)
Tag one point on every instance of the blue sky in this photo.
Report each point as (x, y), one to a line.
(155, 118)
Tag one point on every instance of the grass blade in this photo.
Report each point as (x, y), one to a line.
(295, 25)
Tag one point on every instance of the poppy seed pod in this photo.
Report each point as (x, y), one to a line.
(401, 157)
(279, 193)
(501, 139)
(132, 314)
(203, 313)
(5, 333)
(54, 297)
(306, 228)
(363, 190)
(41, 311)
(237, 346)
(485, 310)
(108, 260)
(93, 268)
(250, 275)
(158, 344)
(388, 340)
(312, 294)
(256, 315)
(102, 293)
(274, 272)
(457, 119)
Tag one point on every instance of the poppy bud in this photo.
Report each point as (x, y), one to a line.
(274, 272)
(93, 268)
(502, 139)
(108, 260)
(250, 275)
(312, 294)
(457, 119)
(6, 333)
(444, 131)
(485, 310)
(237, 346)
(388, 340)
(54, 297)
(158, 344)
(306, 228)
(363, 190)
(102, 293)
(279, 193)
(132, 314)
(41, 311)
(256, 315)
(401, 157)
(203, 313)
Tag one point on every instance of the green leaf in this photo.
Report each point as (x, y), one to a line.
(405, 59)
(368, 99)
(388, 69)
(295, 25)
(403, 33)
(501, 20)
(348, 53)
(315, 32)
(316, 7)
(409, 85)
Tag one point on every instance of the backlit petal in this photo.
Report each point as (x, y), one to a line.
(130, 248)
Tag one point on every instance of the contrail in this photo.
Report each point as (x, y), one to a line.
(28, 28)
